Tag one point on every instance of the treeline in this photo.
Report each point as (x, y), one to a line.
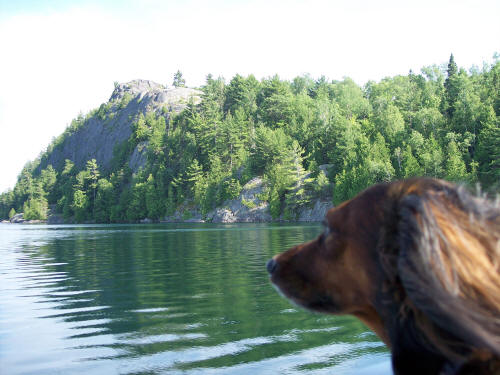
(444, 122)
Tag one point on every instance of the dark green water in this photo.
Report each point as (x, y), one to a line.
(164, 299)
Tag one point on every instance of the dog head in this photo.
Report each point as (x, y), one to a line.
(416, 260)
(337, 272)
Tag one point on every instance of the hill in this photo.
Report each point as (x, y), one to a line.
(252, 150)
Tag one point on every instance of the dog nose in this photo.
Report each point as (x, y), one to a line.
(271, 266)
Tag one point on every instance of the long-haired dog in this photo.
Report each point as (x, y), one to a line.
(418, 261)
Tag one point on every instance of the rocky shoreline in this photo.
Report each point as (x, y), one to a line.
(246, 208)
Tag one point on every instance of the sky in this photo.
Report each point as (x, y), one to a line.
(59, 58)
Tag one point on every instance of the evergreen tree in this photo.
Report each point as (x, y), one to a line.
(155, 208)
(193, 174)
(179, 81)
(411, 167)
(455, 166)
(92, 176)
(488, 156)
(451, 88)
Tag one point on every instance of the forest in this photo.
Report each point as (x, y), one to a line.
(443, 122)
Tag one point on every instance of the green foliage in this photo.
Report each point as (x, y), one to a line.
(103, 201)
(250, 204)
(155, 208)
(35, 209)
(440, 123)
(12, 212)
(455, 166)
(126, 98)
(179, 81)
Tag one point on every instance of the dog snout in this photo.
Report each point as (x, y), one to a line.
(271, 266)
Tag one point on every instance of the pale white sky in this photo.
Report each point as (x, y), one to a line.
(61, 57)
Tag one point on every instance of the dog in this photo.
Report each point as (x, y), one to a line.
(418, 262)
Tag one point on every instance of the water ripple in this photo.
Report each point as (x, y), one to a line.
(164, 299)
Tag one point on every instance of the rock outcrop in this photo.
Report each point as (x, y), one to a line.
(17, 218)
(112, 124)
(248, 208)
(316, 213)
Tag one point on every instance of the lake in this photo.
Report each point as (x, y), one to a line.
(165, 299)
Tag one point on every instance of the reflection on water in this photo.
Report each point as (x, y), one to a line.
(173, 298)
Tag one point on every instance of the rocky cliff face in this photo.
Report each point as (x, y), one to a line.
(112, 124)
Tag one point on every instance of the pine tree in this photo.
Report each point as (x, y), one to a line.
(488, 156)
(178, 80)
(451, 88)
(193, 174)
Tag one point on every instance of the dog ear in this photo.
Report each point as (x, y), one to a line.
(448, 266)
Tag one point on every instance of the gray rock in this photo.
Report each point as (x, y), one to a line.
(133, 88)
(98, 136)
(247, 208)
(184, 214)
(325, 168)
(223, 215)
(17, 218)
(139, 156)
(316, 213)
(194, 220)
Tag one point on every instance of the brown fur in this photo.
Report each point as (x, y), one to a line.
(418, 261)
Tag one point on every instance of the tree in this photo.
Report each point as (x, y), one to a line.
(451, 88)
(178, 80)
(80, 205)
(12, 212)
(48, 177)
(141, 130)
(35, 209)
(455, 166)
(432, 159)
(104, 201)
(136, 207)
(411, 167)
(193, 174)
(488, 156)
(92, 176)
(155, 208)
(170, 202)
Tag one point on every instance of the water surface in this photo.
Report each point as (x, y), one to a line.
(164, 299)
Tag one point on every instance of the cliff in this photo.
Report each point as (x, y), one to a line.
(96, 136)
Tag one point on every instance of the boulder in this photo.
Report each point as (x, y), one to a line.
(247, 208)
(17, 218)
